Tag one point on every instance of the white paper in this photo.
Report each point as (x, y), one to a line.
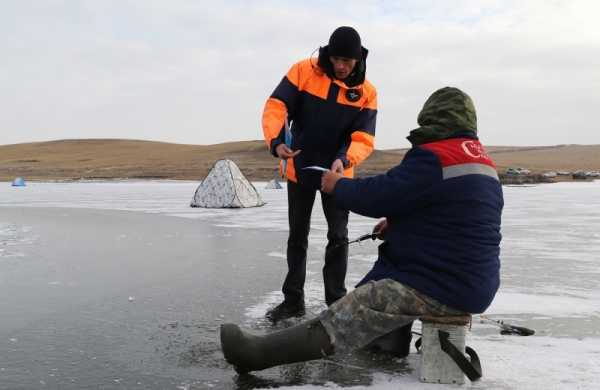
(317, 168)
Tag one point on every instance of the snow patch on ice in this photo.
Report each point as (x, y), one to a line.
(546, 305)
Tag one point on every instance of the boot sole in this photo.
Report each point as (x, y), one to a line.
(231, 339)
(275, 319)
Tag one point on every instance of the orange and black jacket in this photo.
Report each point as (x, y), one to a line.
(330, 119)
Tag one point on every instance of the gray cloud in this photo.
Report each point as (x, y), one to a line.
(199, 72)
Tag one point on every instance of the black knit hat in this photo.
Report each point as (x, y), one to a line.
(345, 42)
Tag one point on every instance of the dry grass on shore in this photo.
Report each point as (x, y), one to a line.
(118, 159)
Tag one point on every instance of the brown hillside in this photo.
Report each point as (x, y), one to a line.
(113, 159)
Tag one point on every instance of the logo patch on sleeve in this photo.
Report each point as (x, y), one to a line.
(474, 149)
(353, 95)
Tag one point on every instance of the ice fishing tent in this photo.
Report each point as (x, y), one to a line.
(18, 182)
(273, 185)
(225, 186)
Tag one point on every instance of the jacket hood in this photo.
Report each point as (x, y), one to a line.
(357, 76)
(448, 113)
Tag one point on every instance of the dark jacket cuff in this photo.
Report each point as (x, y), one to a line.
(343, 159)
(274, 144)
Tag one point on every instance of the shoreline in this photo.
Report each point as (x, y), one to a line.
(504, 179)
(73, 160)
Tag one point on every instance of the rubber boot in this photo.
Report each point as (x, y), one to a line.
(247, 352)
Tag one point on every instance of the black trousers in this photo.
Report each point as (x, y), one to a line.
(300, 204)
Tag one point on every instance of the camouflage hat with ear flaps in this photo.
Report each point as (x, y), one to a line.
(447, 113)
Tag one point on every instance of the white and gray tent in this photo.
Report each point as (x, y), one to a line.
(273, 185)
(226, 187)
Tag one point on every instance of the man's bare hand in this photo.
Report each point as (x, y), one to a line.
(338, 166)
(381, 228)
(329, 180)
(283, 151)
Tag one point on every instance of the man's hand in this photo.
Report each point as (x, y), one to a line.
(329, 180)
(338, 166)
(283, 151)
(381, 228)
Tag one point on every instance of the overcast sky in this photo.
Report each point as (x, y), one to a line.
(199, 72)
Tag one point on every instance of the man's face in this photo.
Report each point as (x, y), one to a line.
(342, 66)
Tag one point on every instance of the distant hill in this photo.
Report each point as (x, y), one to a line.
(118, 159)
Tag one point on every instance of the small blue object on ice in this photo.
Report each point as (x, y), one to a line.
(18, 182)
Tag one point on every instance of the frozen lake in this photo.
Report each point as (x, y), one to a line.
(121, 285)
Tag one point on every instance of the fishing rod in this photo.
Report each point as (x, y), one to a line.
(364, 237)
(507, 328)
(367, 236)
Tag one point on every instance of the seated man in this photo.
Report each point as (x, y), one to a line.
(440, 257)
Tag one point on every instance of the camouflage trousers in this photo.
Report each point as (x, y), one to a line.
(377, 308)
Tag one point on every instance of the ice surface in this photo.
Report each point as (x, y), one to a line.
(550, 267)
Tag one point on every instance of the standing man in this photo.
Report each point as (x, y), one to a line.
(332, 110)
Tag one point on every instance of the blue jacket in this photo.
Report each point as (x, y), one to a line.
(443, 204)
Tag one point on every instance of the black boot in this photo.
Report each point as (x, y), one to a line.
(247, 352)
(286, 310)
